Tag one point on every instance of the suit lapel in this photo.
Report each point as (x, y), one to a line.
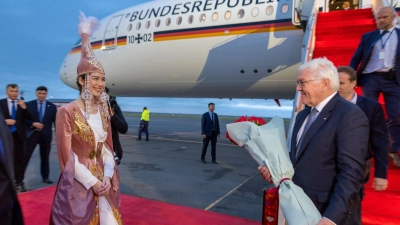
(318, 123)
(360, 102)
(302, 116)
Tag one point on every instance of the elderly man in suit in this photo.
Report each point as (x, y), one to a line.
(378, 61)
(10, 210)
(39, 131)
(378, 134)
(15, 112)
(210, 132)
(329, 145)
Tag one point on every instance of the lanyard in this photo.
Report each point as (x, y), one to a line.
(384, 44)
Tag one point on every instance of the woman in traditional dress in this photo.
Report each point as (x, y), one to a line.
(88, 188)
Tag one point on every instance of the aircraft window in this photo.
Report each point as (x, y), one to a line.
(202, 18)
(148, 24)
(138, 26)
(270, 10)
(241, 14)
(127, 15)
(254, 12)
(168, 22)
(215, 16)
(179, 20)
(130, 27)
(228, 15)
(158, 22)
(190, 19)
(285, 8)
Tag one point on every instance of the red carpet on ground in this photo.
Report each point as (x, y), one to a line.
(36, 207)
(337, 36)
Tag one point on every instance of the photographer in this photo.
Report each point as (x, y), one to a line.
(118, 125)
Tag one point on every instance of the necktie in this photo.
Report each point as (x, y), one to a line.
(40, 111)
(13, 128)
(2, 152)
(310, 120)
(212, 119)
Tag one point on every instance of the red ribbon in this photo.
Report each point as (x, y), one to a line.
(271, 205)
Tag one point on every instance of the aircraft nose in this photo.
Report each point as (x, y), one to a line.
(67, 73)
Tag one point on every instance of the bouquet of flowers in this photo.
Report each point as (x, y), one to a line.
(257, 120)
(267, 145)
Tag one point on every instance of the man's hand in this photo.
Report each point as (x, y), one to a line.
(325, 221)
(265, 173)
(21, 103)
(219, 135)
(379, 184)
(37, 125)
(105, 186)
(204, 136)
(10, 122)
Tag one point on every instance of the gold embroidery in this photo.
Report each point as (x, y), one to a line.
(83, 129)
(104, 120)
(98, 154)
(97, 171)
(95, 219)
(117, 216)
(92, 154)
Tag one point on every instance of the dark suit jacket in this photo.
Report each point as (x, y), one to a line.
(330, 163)
(207, 124)
(118, 125)
(364, 51)
(10, 210)
(22, 114)
(378, 135)
(49, 118)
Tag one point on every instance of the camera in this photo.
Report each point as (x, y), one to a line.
(113, 101)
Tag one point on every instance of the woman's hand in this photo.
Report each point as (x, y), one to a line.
(105, 186)
(96, 188)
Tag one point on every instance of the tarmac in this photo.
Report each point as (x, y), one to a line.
(168, 168)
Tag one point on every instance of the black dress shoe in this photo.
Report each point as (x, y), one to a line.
(147, 139)
(203, 161)
(138, 139)
(47, 181)
(20, 187)
(215, 162)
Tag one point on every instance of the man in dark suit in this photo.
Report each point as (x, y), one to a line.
(378, 61)
(118, 125)
(328, 145)
(39, 131)
(210, 132)
(10, 210)
(15, 112)
(378, 134)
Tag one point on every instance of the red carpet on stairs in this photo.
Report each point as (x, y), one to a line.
(337, 36)
(36, 207)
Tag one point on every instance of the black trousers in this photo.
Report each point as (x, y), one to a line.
(18, 158)
(213, 139)
(45, 147)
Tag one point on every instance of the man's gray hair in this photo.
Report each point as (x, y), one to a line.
(322, 68)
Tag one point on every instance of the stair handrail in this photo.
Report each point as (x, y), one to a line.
(306, 55)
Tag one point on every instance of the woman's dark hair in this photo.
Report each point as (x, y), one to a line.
(78, 84)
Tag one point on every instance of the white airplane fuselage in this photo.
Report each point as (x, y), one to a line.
(253, 54)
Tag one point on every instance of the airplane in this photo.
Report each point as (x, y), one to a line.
(198, 49)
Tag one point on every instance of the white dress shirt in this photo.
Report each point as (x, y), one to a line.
(319, 107)
(389, 44)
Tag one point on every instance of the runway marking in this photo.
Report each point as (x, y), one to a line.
(216, 202)
(167, 139)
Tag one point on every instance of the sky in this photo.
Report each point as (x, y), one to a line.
(36, 35)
